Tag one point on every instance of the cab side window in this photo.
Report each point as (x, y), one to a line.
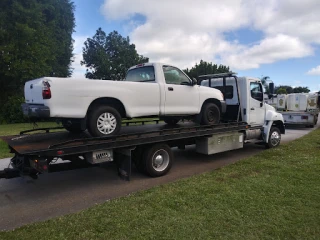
(175, 76)
(256, 91)
(141, 74)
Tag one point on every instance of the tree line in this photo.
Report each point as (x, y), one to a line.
(283, 89)
(35, 41)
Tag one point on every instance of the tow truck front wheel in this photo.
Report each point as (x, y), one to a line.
(157, 160)
(274, 138)
(104, 121)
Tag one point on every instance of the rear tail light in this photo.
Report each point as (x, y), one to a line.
(46, 92)
(304, 117)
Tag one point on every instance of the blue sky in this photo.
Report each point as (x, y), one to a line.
(282, 41)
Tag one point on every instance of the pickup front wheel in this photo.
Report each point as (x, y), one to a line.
(104, 121)
(210, 114)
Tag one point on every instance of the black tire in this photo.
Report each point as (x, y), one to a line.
(210, 114)
(112, 121)
(157, 160)
(315, 120)
(274, 138)
(73, 126)
(171, 121)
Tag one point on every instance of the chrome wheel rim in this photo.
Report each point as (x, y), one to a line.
(275, 138)
(106, 123)
(160, 160)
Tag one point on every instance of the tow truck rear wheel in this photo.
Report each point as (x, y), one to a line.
(104, 121)
(274, 138)
(157, 160)
(210, 114)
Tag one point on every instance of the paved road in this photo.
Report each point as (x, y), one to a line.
(24, 201)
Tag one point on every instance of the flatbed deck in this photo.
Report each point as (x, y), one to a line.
(65, 143)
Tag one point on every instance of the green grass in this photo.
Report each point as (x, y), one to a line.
(272, 195)
(14, 129)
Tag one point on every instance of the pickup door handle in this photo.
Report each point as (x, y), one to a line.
(252, 109)
(170, 88)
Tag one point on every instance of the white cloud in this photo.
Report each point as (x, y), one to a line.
(314, 71)
(291, 17)
(79, 70)
(184, 31)
(269, 50)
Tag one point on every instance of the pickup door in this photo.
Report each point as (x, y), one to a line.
(181, 96)
(143, 92)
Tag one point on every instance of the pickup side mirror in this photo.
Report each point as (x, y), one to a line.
(194, 81)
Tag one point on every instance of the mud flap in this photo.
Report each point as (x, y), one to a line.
(266, 131)
(123, 160)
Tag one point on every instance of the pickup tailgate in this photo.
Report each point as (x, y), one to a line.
(33, 91)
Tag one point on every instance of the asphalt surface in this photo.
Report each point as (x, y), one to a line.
(24, 201)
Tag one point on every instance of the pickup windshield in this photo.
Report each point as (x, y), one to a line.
(141, 74)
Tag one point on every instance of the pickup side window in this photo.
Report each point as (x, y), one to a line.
(141, 74)
(175, 76)
(256, 91)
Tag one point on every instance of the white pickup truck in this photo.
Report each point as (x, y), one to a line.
(151, 89)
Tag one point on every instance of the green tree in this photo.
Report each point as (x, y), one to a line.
(281, 91)
(301, 90)
(288, 89)
(35, 41)
(204, 68)
(109, 56)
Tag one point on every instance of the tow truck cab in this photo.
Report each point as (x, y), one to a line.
(244, 99)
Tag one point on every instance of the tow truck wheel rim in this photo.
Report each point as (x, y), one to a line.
(160, 160)
(106, 123)
(275, 138)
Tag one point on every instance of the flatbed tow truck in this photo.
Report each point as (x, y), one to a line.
(148, 146)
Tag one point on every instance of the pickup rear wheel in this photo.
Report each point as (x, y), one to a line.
(210, 114)
(104, 121)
